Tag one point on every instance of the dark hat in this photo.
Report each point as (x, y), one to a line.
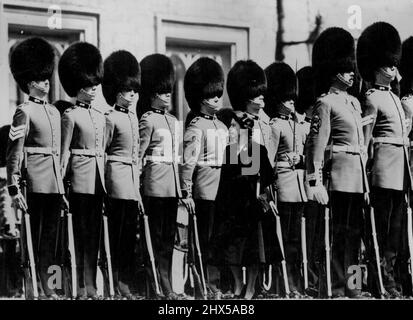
(32, 60)
(333, 53)
(80, 67)
(246, 80)
(379, 46)
(203, 80)
(158, 75)
(121, 73)
(306, 89)
(281, 85)
(406, 61)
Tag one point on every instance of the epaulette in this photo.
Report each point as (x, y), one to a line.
(194, 120)
(69, 109)
(273, 121)
(407, 97)
(108, 112)
(146, 114)
(369, 92)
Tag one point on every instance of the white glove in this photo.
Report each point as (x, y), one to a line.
(317, 193)
(19, 202)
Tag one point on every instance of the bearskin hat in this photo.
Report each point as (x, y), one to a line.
(158, 75)
(80, 67)
(121, 73)
(406, 66)
(32, 60)
(379, 45)
(281, 85)
(246, 80)
(203, 80)
(306, 89)
(333, 53)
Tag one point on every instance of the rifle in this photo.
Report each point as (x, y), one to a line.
(304, 251)
(29, 266)
(150, 252)
(198, 249)
(327, 225)
(72, 252)
(108, 256)
(376, 251)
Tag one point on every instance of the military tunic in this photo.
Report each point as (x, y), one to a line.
(122, 147)
(34, 146)
(159, 147)
(407, 103)
(205, 140)
(289, 136)
(83, 133)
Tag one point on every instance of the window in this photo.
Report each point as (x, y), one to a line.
(20, 21)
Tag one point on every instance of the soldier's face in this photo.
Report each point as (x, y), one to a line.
(256, 104)
(127, 98)
(212, 104)
(346, 78)
(163, 100)
(42, 87)
(388, 72)
(87, 94)
(289, 104)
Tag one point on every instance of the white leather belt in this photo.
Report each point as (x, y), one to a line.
(127, 160)
(41, 150)
(87, 152)
(392, 140)
(283, 164)
(347, 149)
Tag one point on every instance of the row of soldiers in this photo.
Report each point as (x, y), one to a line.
(339, 164)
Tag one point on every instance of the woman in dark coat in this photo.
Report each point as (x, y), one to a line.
(241, 201)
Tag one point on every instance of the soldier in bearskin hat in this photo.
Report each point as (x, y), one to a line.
(205, 140)
(378, 57)
(121, 86)
(83, 129)
(159, 155)
(288, 136)
(306, 99)
(246, 87)
(33, 152)
(337, 180)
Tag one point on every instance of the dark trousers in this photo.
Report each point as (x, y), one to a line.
(391, 229)
(123, 228)
(162, 222)
(44, 212)
(205, 212)
(346, 229)
(87, 221)
(290, 215)
(314, 218)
